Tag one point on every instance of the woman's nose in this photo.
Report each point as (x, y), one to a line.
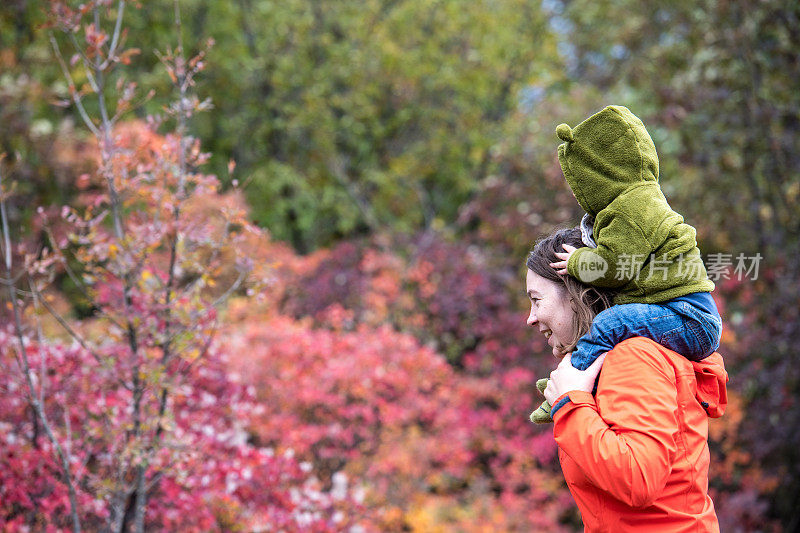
(532, 318)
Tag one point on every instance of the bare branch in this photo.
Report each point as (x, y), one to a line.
(6, 236)
(112, 50)
(68, 427)
(12, 281)
(42, 358)
(26, 369)
(231, 289)
(141, 495)
(84, 289)
(75, 335)
(75, 97)
(87, 64)
(101, 100)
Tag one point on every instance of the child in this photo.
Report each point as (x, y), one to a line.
(635, 244)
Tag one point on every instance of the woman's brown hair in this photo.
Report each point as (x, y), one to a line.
(586, 301)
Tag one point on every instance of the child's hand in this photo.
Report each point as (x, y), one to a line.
(561, 266)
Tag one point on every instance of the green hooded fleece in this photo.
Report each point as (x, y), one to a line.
(644, 248)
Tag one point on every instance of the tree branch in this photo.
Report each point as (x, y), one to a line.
(112, 50)
(25, 367)
(73, 91)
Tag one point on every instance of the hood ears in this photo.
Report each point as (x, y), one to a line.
(564, 133)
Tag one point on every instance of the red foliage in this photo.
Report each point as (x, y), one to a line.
(450, 296)
(351, 394)
(209, 477)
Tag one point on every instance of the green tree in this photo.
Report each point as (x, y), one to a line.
(344, 118)
(354, 116)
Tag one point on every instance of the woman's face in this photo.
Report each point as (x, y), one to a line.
(551, 312)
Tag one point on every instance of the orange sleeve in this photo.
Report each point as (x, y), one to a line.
(626, 445)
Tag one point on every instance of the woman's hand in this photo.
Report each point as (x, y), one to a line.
(566, 378)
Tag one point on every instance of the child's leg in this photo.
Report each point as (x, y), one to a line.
(676, 327)
(700, 335)
(621, 322)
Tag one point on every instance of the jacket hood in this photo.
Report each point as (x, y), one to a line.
(605, 155)
(712, 392)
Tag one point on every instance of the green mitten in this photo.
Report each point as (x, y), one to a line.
(542, 414)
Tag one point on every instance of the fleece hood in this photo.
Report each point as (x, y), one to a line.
(605, 155)
(711, 379)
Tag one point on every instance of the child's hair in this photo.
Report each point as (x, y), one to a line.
(586, 301)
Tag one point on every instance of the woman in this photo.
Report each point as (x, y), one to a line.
(635, 455)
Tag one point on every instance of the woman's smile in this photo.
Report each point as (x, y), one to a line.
(550, 311)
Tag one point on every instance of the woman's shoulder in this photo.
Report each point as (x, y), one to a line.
(642, 354)
(639, 385)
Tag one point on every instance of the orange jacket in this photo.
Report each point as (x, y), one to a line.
(635, 456)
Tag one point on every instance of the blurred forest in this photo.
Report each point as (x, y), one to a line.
(281, 288)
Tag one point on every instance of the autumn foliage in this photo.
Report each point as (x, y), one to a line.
(166, 364)
(209, 477)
